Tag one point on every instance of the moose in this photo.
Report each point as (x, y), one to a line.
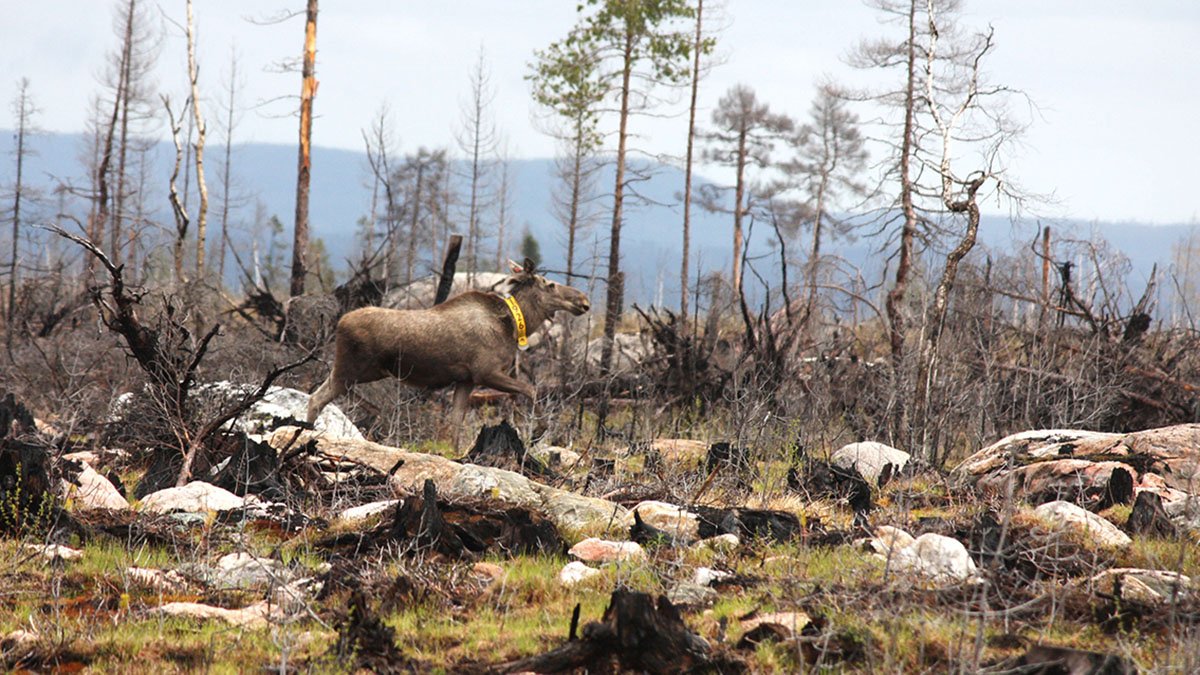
(471, 339)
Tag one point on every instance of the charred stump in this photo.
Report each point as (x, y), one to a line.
(500, 447)
(724, 454)
(253, 468)
(1118, 489)
(1149, 517)
(365, 641)
(638, 633)
(772, 525)
(646, 534)
(457, 531)
(26, 487)
(15, 418)
(446, 280)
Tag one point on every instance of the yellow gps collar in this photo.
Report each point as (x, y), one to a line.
(519, 319)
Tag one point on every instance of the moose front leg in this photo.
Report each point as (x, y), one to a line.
(511, 385)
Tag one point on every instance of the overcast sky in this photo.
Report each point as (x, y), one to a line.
(1117, 83)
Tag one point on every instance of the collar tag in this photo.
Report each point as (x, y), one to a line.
(519, 320)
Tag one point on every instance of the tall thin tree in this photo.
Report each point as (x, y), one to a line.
(743, 135)
(226, 169)
(24, 110)
(565, 82)
(198, 147)
(640, 43)
(308, 91)
(478, 139)
(828, 166)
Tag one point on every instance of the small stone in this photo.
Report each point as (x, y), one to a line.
(791, 622)
(55, 551)
(243, 570)
(576, 572)
(597, 550)
(692, 595)
(486, 570)
(366, 511)
(1065, 515)
(1142, 585)
(253, 616)
(195, 497)
(941, 559)
(159, 580)
(674, 520)
(91, 491)
(871, 459)
(722, 543)
(706, 576)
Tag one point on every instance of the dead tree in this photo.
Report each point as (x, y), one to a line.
(170, 357)
(201, 129)
(308, 90)
(24, 109)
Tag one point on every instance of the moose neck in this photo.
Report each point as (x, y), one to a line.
(535, 314)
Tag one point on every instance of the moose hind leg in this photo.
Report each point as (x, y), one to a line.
(462, 396)
(330, 389)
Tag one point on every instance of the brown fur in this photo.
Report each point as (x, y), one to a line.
(466, 341)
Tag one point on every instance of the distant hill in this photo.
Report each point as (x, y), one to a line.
(340, 195)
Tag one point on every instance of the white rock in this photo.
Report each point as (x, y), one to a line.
(706, 576)
(722, 542)
(1143, 585)
(243, 570)
(793, 622)
(20, 639)
(55, 551)
(253, 616)
(675, 520)
(366, 511)
(684, 593)
(889, 539)
(160, 580)
(576, 572)
(598, 550)
(1062, 515)
(567, 458)
(282, 403)
(93, 491)
(195, 497)
(940, 559)
(870, 458)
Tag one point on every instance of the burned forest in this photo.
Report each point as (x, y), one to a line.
(679, 379)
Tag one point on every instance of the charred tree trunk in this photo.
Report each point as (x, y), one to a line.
(637, 634)
(448, 266)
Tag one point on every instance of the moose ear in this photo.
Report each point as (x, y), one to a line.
(530, 267)
(516, 269)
